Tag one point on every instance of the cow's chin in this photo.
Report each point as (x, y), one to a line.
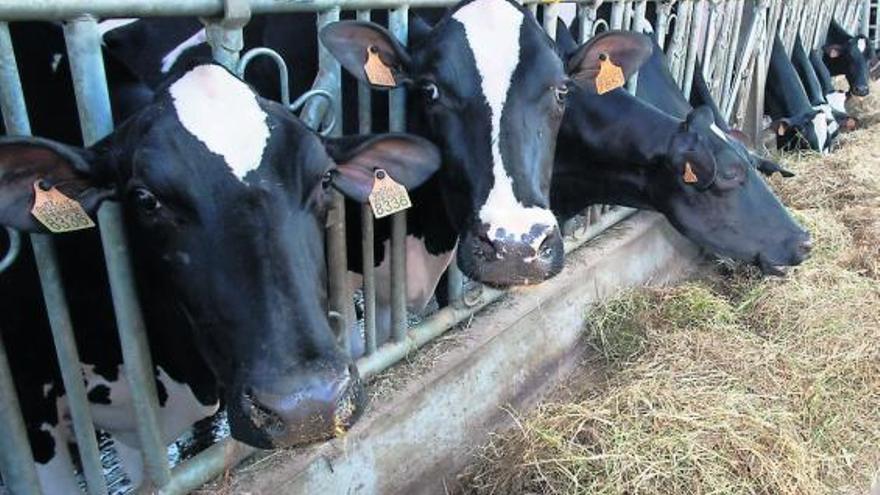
(299, 420)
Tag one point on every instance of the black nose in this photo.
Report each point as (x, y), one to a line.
(861, 90)
(313, 409)
(508, 261)
(802, 250)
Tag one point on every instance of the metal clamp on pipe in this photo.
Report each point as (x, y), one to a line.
(225, 34)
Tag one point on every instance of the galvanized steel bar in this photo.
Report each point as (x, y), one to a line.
(725, 90)
(752, 40)
(368, 239)
(617, 14)
(398, 26)
(865, 22)
(693, 46)
(225, 35)
(191, 474)
(283, 73)
(551, 14)
(90, 85)
(16, 460)
(340, 300)
(68, 362)
(664, 11)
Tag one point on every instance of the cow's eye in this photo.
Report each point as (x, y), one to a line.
(561, 93)
(145, 200)
(327, 180)
(431, 91)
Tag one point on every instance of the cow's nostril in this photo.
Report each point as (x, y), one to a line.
(545, 252)
(484, 248)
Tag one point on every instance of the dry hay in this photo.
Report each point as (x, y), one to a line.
(740, 385)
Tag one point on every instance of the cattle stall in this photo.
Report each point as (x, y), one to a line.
(732, 38)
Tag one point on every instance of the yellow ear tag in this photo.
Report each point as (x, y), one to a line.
(388, 197)
(57, 212)
(689, 176)
(610, 76)
(377, 72)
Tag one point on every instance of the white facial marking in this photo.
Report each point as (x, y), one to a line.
(820, 126)
(718, 132)
(223, 113)
(105, 27)
(59, 474)
(837, 100)
(862, 45)
(492, 28)
(829, 118)
(171, 57)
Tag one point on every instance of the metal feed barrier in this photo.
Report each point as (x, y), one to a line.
(732, 37)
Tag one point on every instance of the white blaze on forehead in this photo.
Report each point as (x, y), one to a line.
(863, 45)
(492, 28)
(105, 27)
(837, 100)
(222, 112)
(829, 118)
(171, 57)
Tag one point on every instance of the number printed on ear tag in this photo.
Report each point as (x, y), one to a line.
(388, 197)
(377, 72)
(57, 212)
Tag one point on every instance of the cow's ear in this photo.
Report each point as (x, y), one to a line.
(28, 164)
(369, 52)
(624, 49)
(769, 167)
(833, 51)
(565, 43)
(691, 160)
(701, 117)
(408, 159)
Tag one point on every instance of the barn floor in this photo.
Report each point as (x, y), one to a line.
(733, 383)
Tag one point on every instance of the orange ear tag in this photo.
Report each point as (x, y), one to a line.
(57, 212)
(610, 76)
(388, 197)
(689, 176)
(377, 72)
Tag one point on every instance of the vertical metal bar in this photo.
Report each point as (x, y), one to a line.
(866, 18)
(397, 25)
(340, 300)
(617, 14)
(693, 46)
(365, 126)
(587, 18)
(16, 460)
(730, 63)
(551, 13)
(90, 85)
(664, 10)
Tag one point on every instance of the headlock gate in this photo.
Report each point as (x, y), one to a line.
(733, 38)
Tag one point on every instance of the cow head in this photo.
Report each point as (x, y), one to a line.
(491, 91)
(621, 150)
(723, 204)
(226, 194)
(849, 55)
(806, 131)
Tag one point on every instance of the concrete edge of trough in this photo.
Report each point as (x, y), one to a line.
(514, 353)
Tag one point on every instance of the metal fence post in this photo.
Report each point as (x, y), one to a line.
(90, 84)
(398, 26)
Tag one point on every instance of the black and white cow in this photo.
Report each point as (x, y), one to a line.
(224, 194)
(487, 86)
(835, 97)
(796, 123)
(620, 149)
(813, 87)
(848, 55)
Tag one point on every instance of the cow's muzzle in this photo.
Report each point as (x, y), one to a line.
(511, 260)
(310, 407)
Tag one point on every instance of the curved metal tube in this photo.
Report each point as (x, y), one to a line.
(12, 252)
(598, 24)
(283, 73)
(302, 100)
